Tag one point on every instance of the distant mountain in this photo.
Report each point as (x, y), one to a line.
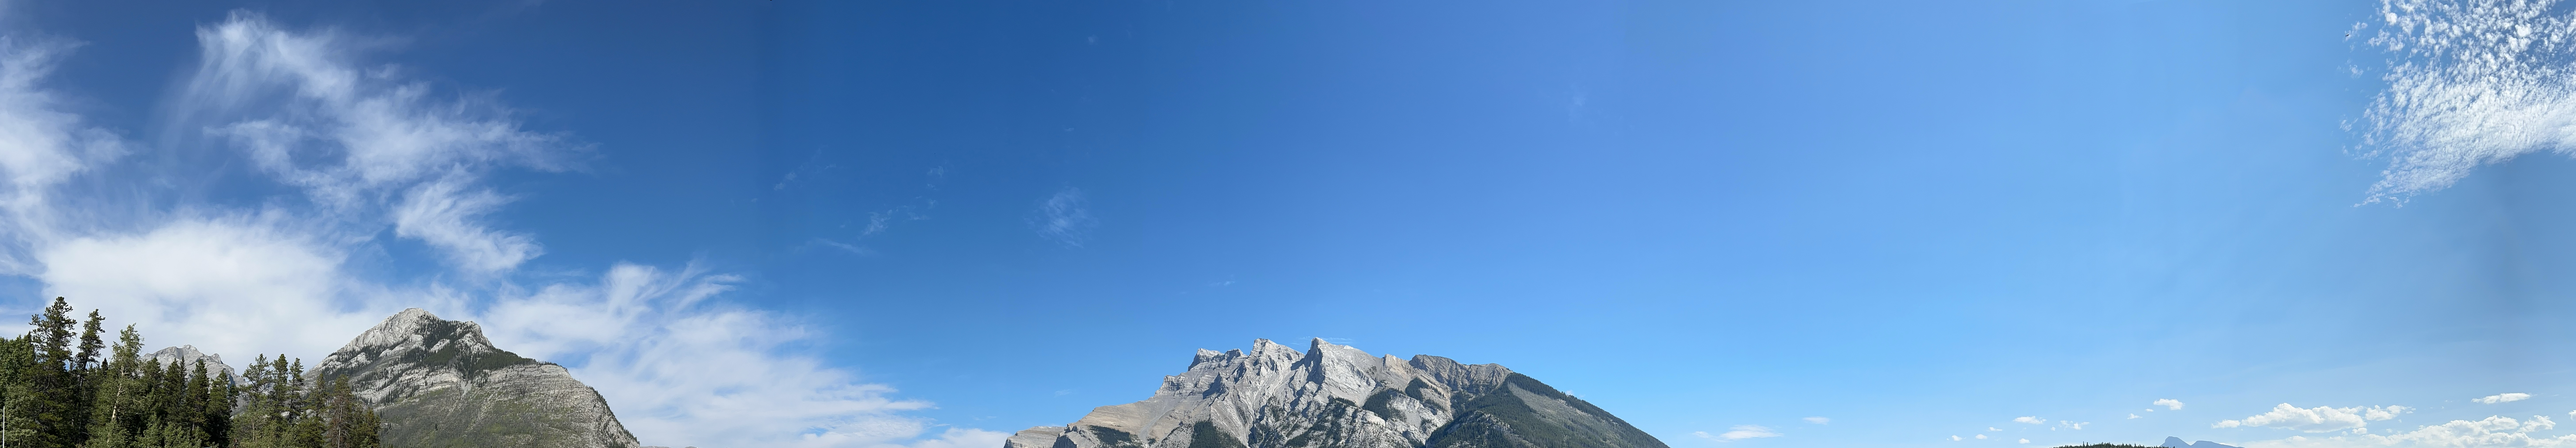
(2176, 442)
(439, 383)
(1334, 396)
(186, 356)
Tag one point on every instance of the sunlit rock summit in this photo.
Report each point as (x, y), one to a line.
(439, 383)
(1335, 396)
(187, 357)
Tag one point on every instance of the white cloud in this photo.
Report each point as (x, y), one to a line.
(1065, 217)
(203, 281)
(2024, 441)
(2030, 420)
(2135, 416)
(683, 369)
(1818, 420)
(2168, 403)
(2318, 419)
(1739, 432)
(1990, 428)
(2491, 432)
(2501, 398)
(1981, 437)
(40, 147)
(367, 152)
(1955, 438)
(443, 214)
(352, 138)
(2468, 84)
(2071, 424)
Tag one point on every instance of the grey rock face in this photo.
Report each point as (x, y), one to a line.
(187, 356)
(1334, 396)
(439, 383)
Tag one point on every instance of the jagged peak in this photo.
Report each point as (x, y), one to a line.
(411, 314)
(415, 333)
(1206, 356)
(1264, 348)
(186, 355)
(1238, 396)
(419, 326)
(185, 351)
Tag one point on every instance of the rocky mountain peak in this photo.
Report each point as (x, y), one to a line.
(1337, 396)
(186, 356)
(418, 328)
(441, 382)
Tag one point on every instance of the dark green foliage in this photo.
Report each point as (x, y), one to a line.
(58, 392)
(1205, 435)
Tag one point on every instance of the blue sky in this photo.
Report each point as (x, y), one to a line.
(926, 224)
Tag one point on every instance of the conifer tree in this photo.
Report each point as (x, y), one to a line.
(57, 392)
(118, 390)
(17, 390)
(54, 392)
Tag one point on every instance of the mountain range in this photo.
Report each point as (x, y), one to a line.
(438, 383)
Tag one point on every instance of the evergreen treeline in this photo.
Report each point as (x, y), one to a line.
(56, 391)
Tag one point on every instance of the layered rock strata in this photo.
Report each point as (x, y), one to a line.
(1335, 396)
(440, 383)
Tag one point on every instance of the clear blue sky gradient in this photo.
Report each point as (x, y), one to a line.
(1919, 219)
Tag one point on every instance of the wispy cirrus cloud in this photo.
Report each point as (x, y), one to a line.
(1065, 217)
(358, 139)
(2469, 83)
(366, 158)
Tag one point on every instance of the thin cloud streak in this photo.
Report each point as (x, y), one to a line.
(1065, 217)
